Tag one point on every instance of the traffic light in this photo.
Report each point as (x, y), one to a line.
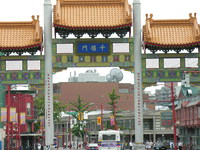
(98, 120)
(80, 116)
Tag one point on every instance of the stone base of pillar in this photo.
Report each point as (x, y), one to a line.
(139, 147)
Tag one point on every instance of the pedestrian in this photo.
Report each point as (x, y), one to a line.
(180, 145)
(151, 144)
(171, 144)
(130, 145)
(147, 145)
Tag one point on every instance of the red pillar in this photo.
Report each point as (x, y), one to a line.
(18, 120)
(8, 119)
(174, 115)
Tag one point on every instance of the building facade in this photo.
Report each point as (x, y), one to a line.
(188, 117)
(21, 129)
(97, 94)
(88, 76)
(153, 129)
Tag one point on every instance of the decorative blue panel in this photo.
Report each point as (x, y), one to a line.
(93, 48)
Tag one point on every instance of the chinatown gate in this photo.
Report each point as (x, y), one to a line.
(176, 43)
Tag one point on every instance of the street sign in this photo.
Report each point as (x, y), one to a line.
(93, 48)
(166, 118)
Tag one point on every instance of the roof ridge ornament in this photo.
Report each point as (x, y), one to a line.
(193, 20)
(148, 27)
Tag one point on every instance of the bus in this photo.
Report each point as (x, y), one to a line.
(110, 140)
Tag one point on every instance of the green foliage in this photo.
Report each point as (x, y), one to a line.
(113, 106)
(79, 107)
(78, 130)
(114, 101)
(39, 104)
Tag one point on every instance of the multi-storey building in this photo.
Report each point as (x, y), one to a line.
(88, 76)
(22, 129)
(97, 94)
(188, 117)
(153, 129)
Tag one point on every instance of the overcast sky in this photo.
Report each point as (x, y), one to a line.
(22, 10)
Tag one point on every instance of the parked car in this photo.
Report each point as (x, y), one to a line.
(92, 146)
(161, 146)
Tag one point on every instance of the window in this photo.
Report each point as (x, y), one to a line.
(120, 123)
(127, 124)
(109, 137)
(28, 108)
(148, 124)
(198, 112)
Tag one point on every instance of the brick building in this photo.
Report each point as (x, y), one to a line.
(97, 93)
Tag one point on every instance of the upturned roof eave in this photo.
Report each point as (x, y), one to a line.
(92, 28)
(194, 44)
(21, 48)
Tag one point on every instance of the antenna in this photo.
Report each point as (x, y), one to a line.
(115, 75)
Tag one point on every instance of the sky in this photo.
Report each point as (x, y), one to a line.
(22, 10)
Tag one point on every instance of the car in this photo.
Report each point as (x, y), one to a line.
(92, 146)
(161, 146)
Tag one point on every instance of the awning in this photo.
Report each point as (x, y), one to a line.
(193, 103)
(31, 134)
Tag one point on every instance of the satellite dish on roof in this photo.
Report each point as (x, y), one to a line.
(116, 75)
(108, 78)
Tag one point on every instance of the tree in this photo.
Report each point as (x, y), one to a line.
(80, 107)
(113, 106)
(39, 104)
